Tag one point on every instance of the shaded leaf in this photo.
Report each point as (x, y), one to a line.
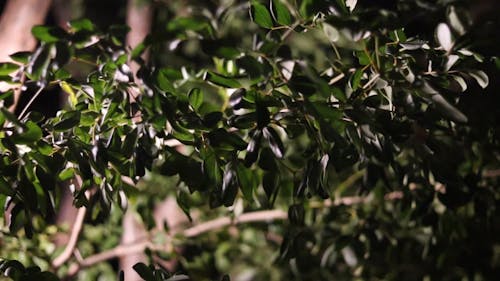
(195, 98)
(480, 77)
(448, 110)
(274, 141)
(222, 80)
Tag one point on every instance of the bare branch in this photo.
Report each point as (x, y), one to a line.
(216, 224)
(73, 239)
(75, 233)
(140, 246)
(244, 218)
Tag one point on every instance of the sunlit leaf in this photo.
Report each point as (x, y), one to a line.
(261, 15)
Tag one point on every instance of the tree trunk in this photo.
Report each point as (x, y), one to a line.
(18, 17)
(139, 17)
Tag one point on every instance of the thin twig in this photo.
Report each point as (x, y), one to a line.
(33, 98)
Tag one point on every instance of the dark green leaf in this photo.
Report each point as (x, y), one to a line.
(163, 82)
(21, 57)
(211, 119)
(270, 184)
(448, 110)
(63, 53)
(253, 148)
(220, 48)
(222, 80)
(274, 141)
(129, 144)
(5, 188)
(263, 116)
(68, 120)
(39, 63)
(211, 167)
(144, 271)
(296, 214)
(229, 186)
(261, 15)
(195, 98)
(247, 181)
(30, 134)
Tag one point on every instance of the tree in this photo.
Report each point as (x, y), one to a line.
(304, 140)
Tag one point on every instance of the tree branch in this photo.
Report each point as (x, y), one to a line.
(244, 218)
(73, 239)
(75, 233)
(140, 246)
(258, 216)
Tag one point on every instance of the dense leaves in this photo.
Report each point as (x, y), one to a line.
(379, 141)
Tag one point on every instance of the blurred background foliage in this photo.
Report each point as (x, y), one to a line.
(374, 124)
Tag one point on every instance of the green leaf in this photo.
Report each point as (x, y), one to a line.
(274, 142)
(163, 82)
(8, 99)
(30, 134)
(39, 63)
(261, 15)
(48, 34)
(356, 79)
(66, 174)
(211, 119)
(223, 81)
(448, 110)
(7, 68)
(195, 98)
(211, 166)
(444, 37)
(129, 144)
(82, 24)
(144, 271)
(220, 48)
(280, 12)
(229, 186)
(68, 121)
(253, 148)
(5, 188)
(263, 116)
(21, 57)
(270, 183)
(480, 77)
(247, 181)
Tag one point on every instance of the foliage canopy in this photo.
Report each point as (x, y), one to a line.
(374, 124)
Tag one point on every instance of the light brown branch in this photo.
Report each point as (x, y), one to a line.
(75, 232)
(244, 218)
(216, 224)
(140, 246)
(73, 239)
